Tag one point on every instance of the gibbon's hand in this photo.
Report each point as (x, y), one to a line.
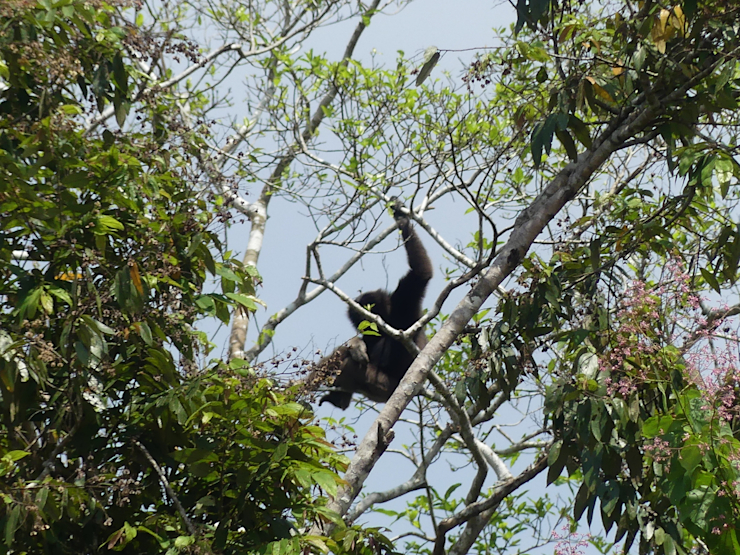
(402, 220)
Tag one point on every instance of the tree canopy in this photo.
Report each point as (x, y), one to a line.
(594, 345)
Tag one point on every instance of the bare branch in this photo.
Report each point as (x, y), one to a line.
(240, 324)
(304, 298)
(531, 221)
(477, 515)
(166, 485)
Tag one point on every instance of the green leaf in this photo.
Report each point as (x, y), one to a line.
(554, 452)
(29, 304)
(128, 289)
(326, 480)
(95, 326)
(118, 540)
(723, 170)
(106, 225)
(60, 294)
(582, 500)
(669, 547)
(431, 57)
(656, 425)
(206, 303)
(11, 525)
(280, 452)
(79, 180)
(567, 141)
(178, 410)
(145, 332)
(556, 460)
(460, 392)
(15, 455)
(120, 74)
(580, 130)
(595, 254)
(227, 273)
(691, 457)
(710, 279)
(182, 542)
(542, 135)
(538, 8)
(610, 498)
(244, 300)
(41, 496)
(121, 109)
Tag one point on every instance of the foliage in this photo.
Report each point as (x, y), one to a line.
(629, 110)
(594, 151)
(640, 431)
(580, 90)
(641, 425)
(115, 434)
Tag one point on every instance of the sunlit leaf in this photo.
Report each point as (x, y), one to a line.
(431, 57)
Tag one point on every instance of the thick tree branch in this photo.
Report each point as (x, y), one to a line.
(478, 515)
(240, 323)
(528, 226)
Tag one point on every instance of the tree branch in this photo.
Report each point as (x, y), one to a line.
(530, 222)
(240, 323)
(167, 487)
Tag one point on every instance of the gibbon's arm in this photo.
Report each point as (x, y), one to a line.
(407, 298)
(373, 365)
(418, 259)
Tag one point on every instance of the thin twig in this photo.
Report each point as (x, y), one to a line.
(165, 483)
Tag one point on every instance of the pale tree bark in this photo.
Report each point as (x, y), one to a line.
(529, 224)
(477, 515)
(297, 21)
(258, 215)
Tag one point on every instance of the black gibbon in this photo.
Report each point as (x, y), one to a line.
(374, 364)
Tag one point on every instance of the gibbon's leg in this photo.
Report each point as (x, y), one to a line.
(357, 375)
(363, 378)
(344, 369)
(378, 385)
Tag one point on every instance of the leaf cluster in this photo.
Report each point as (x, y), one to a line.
(116, 435)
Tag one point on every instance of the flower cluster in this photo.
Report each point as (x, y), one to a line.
(570, 543)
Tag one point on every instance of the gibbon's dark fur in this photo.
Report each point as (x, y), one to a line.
(374, 365)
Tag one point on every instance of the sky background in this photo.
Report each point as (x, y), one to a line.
(459, 25)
